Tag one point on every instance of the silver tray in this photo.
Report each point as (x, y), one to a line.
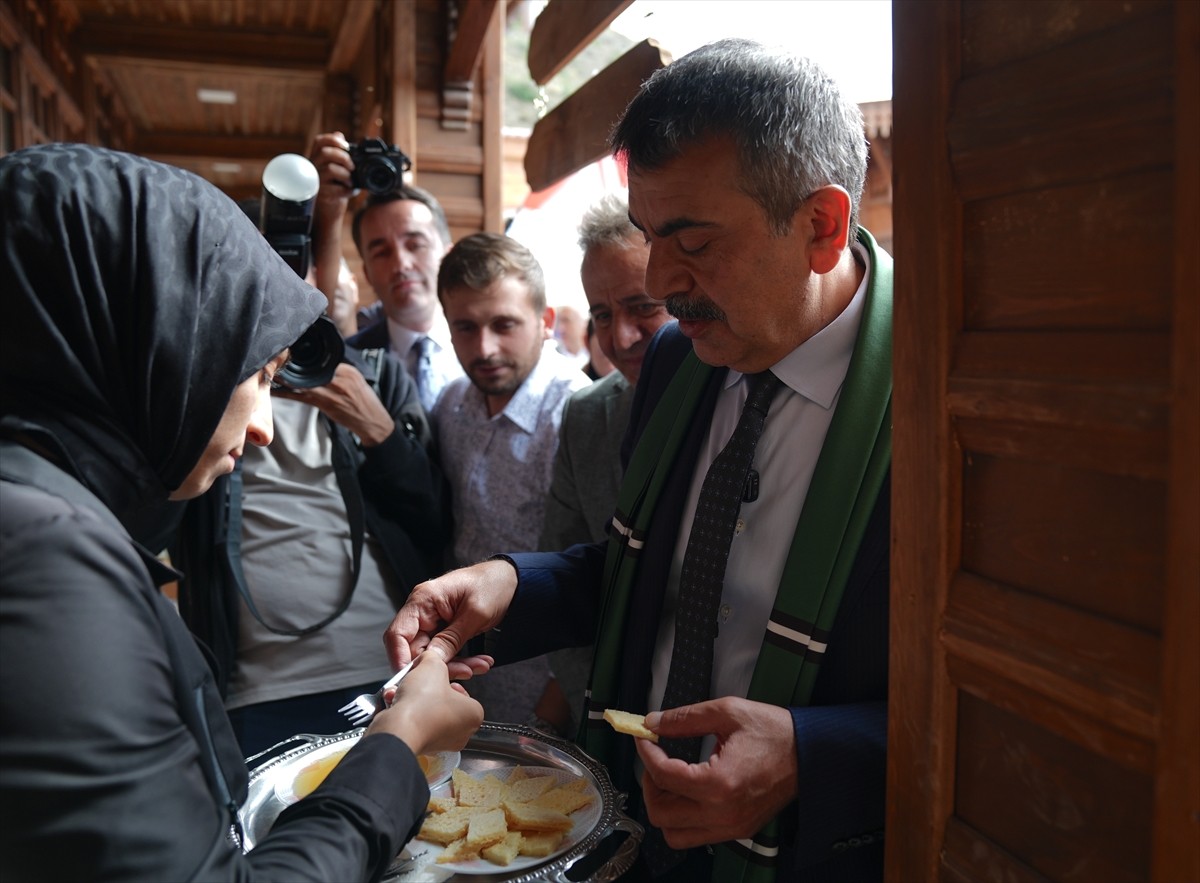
(493, 747)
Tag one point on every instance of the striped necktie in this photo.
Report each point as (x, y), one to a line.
(423, 372)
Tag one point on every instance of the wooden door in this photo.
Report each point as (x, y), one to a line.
(1046, 506)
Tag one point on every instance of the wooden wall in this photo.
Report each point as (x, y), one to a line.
(1046, 512)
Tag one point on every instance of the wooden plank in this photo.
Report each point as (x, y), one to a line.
(1060, 404)
(575, 133)
(454, 159)
(492, 109)
(925, 473)
(1177, 801)
(1122, 451)
(1120, 358)
(968, 856)
(1085, 539)
(1082, 278)
(1085, 664)
(470, 34)
(978, 674)
(563, 29)
(995, 34)
(228, 47)
(1071, 815)
(1060, 117)
(400, 122)
(218, 147)
(353, 31)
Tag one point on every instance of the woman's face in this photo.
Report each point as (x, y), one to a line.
(247, 418)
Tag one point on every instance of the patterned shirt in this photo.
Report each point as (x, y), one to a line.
(500, 467)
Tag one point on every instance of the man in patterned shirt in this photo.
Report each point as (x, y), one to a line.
(497, 428)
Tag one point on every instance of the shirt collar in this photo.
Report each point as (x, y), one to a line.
(817, 368)
(524, 408)
(403, 338)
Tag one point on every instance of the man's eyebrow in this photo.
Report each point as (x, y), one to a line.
(672, 226)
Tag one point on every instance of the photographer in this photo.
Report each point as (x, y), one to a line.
(402, 235)
(297, 560)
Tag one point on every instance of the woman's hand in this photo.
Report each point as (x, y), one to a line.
(428, 711)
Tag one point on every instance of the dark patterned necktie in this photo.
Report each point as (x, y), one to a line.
(703, 575)
(700, 582)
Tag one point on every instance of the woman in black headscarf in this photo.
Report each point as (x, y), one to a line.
(144, 319)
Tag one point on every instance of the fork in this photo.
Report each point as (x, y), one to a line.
(361, 709)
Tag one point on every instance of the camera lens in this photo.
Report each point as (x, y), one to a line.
(380, 175)
(314, 357)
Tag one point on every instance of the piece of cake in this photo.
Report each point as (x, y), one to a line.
(527, 789)
(539, 844)
(563, 800)
(486, 828)
(446, 827)
(505, 851)
(469, 791)
(458, 851)
(442, 804)
(631, 724)
(527, 817)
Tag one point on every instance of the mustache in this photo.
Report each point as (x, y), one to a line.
(692, 310)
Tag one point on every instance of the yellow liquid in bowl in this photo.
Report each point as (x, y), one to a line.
(314, 774)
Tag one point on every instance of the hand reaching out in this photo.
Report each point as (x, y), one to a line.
(443, 614)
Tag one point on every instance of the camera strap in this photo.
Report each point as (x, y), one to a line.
(343, 469)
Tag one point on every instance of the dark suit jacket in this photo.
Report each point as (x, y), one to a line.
(834, 829)
(372, 337)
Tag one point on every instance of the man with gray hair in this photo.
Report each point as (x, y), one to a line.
(742, 599)
(587, 467)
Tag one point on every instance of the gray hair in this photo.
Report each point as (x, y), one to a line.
(607, 223)
(793, 130)
(481, 259)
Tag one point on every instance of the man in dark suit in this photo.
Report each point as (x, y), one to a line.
(402, 236)
(746, 167)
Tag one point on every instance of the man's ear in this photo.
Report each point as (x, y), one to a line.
(828, 212)
(548, 323)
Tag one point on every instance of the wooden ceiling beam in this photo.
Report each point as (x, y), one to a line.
(205, 46)
(565, 28)
(575, 133)
(217, 147)
(470, 33)
(348, 44)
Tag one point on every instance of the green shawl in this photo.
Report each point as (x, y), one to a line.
(849, 475)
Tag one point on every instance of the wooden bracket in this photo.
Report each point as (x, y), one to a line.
(467, 28)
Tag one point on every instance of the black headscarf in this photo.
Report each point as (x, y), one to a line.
(136, 297)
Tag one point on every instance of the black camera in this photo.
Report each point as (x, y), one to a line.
(378, 166)
(314, 357)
